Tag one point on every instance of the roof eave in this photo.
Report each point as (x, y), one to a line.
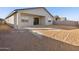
(48, 11)
(13, 12)
(16, 10)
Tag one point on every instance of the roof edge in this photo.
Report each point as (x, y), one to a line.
(16, 10)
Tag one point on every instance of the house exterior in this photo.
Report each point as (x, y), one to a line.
(22, 18)
(2, 21)
(58, 18)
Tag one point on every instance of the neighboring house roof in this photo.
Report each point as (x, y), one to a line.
(1, 19)
(15, 11)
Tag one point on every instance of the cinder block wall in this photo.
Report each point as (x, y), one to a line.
(69, 23)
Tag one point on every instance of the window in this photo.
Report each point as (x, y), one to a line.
(49, 20)
(24, 20)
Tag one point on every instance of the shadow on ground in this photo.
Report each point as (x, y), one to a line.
(26, 41)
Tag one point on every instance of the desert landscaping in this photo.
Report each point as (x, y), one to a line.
(67, 36)
(47, 38)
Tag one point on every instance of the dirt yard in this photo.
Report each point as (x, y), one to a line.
(67, 36)
(5, 27)
(25, 40)
(45, 40)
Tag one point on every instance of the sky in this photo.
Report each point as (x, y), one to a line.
(72, 13)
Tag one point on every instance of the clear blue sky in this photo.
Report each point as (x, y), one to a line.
(72, 13)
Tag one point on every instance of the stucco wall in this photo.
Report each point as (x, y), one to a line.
(39, 12)
(10, 19)
(30, 19)
(13, 20)
(42, 20)
(16, 19)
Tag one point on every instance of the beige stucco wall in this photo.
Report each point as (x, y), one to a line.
(25, 24)
(29, 15)
(39, 12)
(10, 19)
(30, 19)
